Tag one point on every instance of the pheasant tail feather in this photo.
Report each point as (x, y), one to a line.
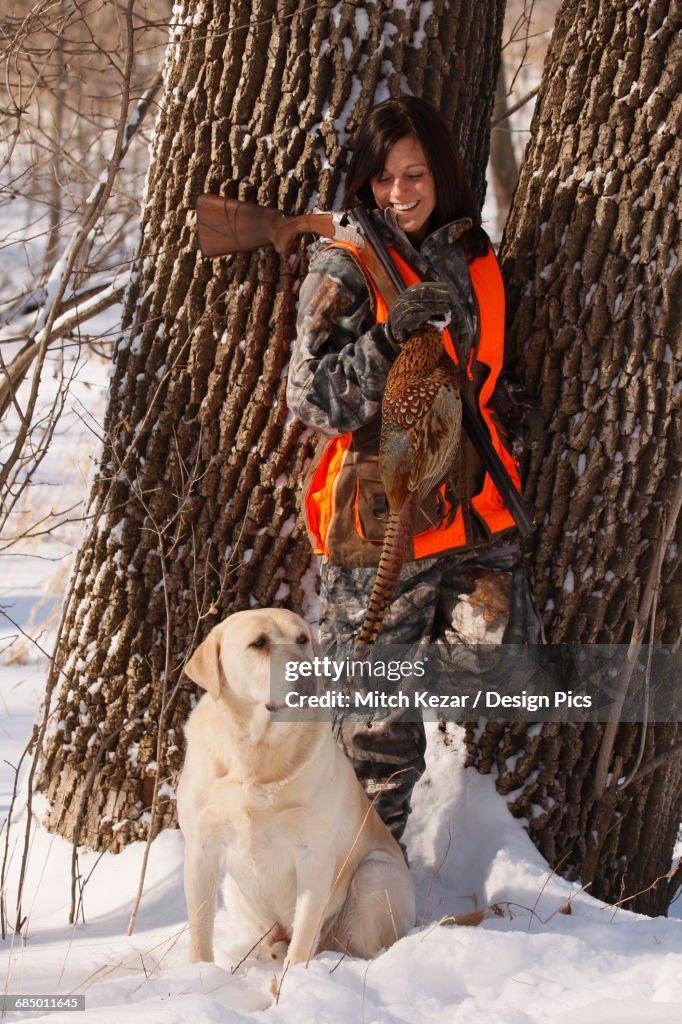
(397, 539)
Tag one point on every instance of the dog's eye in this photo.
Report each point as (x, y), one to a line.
(260, 642)
(302, 639)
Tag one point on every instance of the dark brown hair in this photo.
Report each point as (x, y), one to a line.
(382, 128)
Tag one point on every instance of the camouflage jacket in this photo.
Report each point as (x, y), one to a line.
(341, 356)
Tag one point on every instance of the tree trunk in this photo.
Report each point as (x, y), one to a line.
(193, 509)
(590, 258)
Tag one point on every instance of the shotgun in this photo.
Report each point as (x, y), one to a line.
(229, 226)
(232, 226)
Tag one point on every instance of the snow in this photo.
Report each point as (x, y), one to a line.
(349, 106)
(425, 12)
(671, 264)
(528, 961)
(361, 22)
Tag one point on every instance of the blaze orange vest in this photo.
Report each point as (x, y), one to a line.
(319, 500)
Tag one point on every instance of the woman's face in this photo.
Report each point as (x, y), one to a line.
(406, 184)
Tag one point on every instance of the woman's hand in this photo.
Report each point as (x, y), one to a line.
(421, 302)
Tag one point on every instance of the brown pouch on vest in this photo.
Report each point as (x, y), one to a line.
(356, 531)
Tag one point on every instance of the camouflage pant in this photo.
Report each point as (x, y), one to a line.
(456, 599)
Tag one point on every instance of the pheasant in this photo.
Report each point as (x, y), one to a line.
(421, 416)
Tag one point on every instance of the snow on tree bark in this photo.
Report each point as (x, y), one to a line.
(193, 509)
(590, 258)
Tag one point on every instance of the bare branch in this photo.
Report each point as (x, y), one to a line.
(515, 107)
(15, 372)
(54, 327)
(648, 598)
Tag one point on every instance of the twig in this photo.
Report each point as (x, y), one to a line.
(626, 899)
(650, 590)
(8, 824)
(656, 762)
(103, 747)
(516, 106)
(364, 989)
(645, 703)
(381, 788)
(172, 944)
(583, 888)
(339, 961)
(166, 701)
(524, 19)
(553, 871)
(16, 370)
(160, 736)
(105, 849)
(235, 968)
(278, 988)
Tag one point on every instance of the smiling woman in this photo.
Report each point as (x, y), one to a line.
(406, 185)
(462, 559)
(408, 139)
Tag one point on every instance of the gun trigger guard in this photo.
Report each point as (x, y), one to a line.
(345, 232)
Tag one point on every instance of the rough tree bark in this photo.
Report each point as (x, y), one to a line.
(194, 506)
(590, 257)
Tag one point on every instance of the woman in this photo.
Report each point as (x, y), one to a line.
(458, 588)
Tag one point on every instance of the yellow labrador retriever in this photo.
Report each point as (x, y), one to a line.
(276, 806)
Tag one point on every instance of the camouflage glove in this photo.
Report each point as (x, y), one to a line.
(418, 304)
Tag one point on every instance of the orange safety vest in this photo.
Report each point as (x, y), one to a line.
(319, 500)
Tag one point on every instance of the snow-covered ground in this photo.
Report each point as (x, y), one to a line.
(528, 961)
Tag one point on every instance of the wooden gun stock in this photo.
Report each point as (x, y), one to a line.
(231, 225)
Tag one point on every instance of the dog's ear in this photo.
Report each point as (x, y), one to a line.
(203, 668)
